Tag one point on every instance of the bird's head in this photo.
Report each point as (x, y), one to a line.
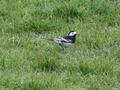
(72, 33)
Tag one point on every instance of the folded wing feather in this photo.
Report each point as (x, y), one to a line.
(60, 40)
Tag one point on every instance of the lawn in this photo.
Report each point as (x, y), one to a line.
(30, 61)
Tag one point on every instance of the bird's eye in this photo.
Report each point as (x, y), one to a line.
(72, 33)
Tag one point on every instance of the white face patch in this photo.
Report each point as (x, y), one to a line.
(72, 33)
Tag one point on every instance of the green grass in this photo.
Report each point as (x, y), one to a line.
(29, 61)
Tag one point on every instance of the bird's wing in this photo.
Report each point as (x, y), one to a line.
(61, 39)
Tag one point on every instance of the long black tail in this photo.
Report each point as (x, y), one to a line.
(50, 39)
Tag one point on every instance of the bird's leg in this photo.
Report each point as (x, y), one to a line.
(62, 46)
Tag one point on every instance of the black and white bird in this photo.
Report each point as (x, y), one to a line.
(67, 40)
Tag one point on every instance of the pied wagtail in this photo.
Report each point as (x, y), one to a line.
(67, 40)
